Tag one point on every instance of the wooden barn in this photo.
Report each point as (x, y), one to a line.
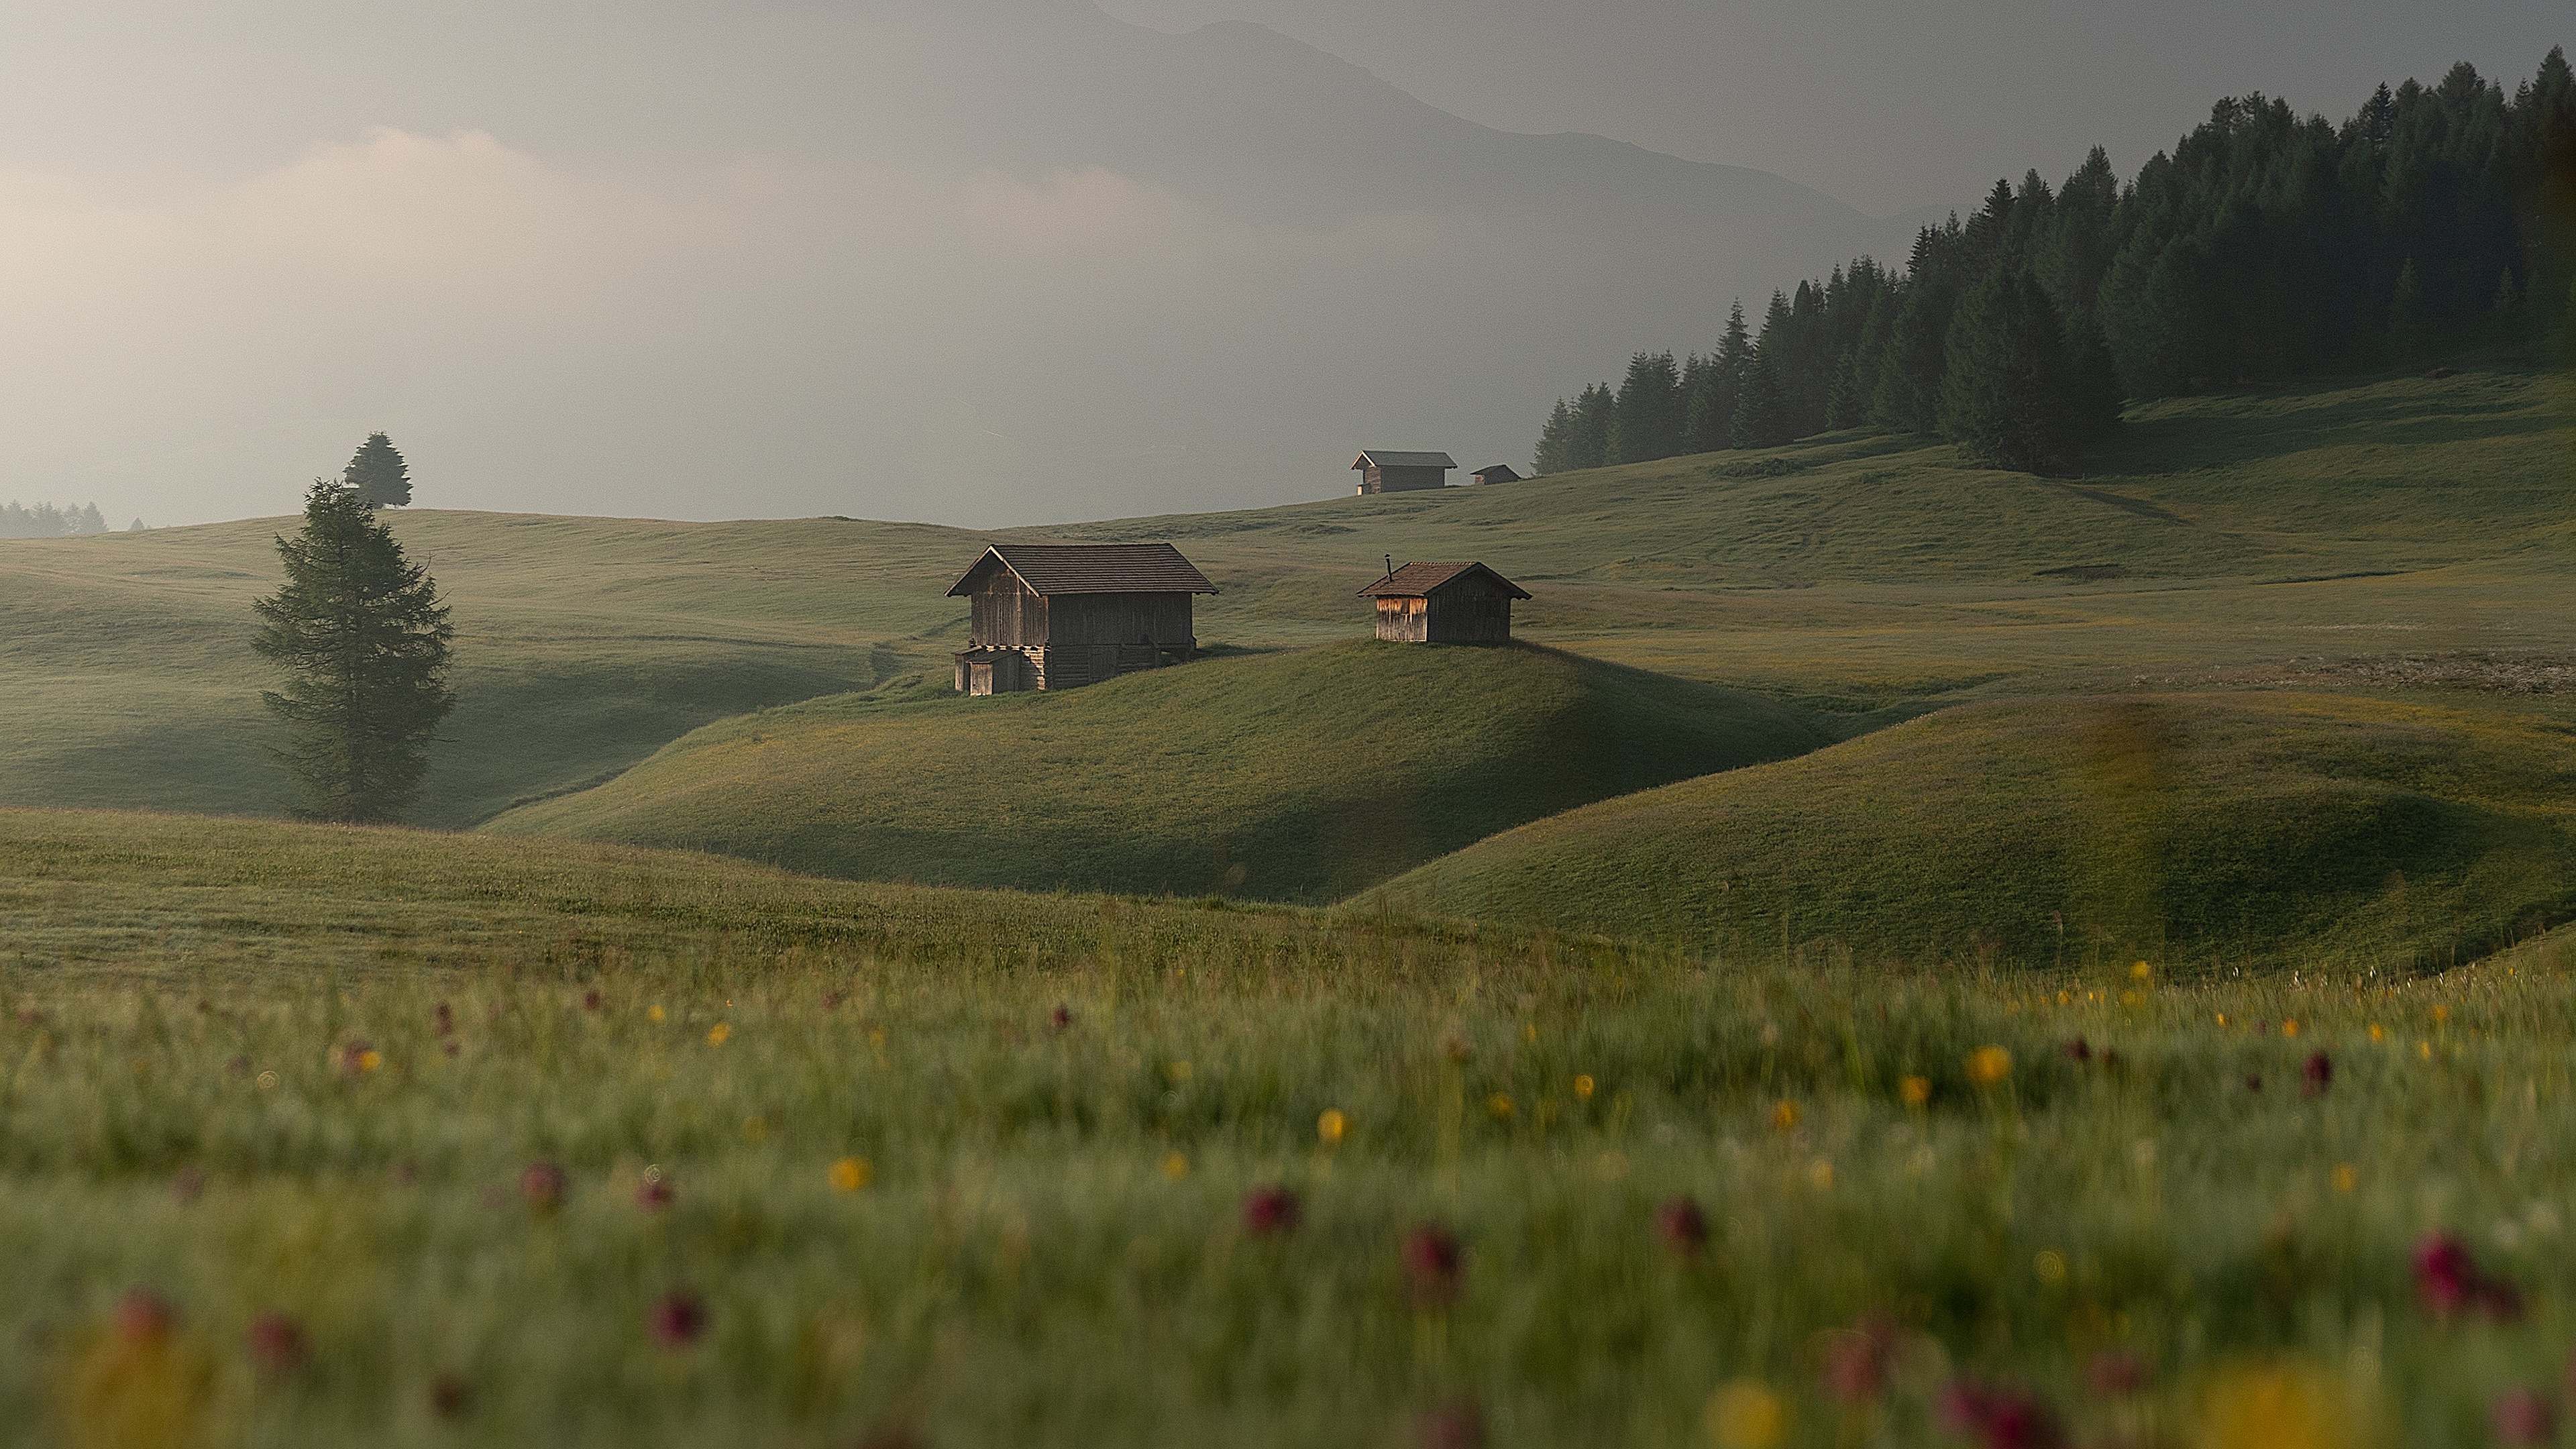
(1062, 615)
(1444, 603)
(1387, 470)
(1499, 473)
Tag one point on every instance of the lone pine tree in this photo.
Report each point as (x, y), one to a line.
(378, 475)
(364, 641)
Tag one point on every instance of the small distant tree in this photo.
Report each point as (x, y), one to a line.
(363, 638)
(377, 474)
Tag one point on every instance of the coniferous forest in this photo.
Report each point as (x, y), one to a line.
(2264, 247)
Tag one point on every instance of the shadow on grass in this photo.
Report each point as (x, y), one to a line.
(2478, 407)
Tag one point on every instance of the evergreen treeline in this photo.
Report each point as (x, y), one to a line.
(2263, 247)
(44, 520)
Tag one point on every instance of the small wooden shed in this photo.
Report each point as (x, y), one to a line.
(1062, 615)
(1391, 470)
(1499, 473)
(1444, 603)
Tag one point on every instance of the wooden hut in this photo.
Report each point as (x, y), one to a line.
(1444, 603)
(1062, 615)
(1388, 470)
(1499, 473)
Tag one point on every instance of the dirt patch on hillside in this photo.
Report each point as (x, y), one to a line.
(2479, 670)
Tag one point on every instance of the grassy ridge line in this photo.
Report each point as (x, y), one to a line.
(2202, 831)
(1050, 1247)
(1299, 776)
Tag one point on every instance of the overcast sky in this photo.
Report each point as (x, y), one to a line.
(990, 261)
(1893, 104)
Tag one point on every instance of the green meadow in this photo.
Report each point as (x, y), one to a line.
(1301, 775)
(1894, 941)
(373, 1114)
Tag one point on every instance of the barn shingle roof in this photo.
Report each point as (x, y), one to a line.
(1091, 568)
(1398, 458)
(1418, 580)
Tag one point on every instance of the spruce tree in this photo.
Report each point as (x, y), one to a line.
(1762, 413)
(1711, 419)
(2011, 395)
(1555, 452)
(1592, 411)
(1646, 420)
(377, 474)
(363, 639)
(2410, 329)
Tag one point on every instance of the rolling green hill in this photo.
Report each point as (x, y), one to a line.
(1849, 572)
(1298, 776)
(2207, 830)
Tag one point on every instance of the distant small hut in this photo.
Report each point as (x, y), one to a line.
(1388, 470)
(1499, 473)
(1444, 603)
(1062, 615)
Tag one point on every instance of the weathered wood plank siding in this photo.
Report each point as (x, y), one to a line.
(1469, 611)
(1375, 479)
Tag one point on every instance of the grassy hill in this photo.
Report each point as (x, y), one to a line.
(2200, 830)
(1300, 776)
(583, 645)
(1851, 572)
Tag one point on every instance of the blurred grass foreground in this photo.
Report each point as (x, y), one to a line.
(314, 1135)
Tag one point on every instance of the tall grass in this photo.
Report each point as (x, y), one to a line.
(226, 1077)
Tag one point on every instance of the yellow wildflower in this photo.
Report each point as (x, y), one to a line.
(1175, 1166)
(851, 1173)
(2141, 971)
(1746, 1414)
(1914, 1091)
(1331, 1126)
(1784, 1115)
(370, 1059)
(653, 1013)
(1583, 1087)
(2375, 1033)
(1988, 1065)
(2289, 1028)
(717, 1033)
(1499, 1106)
(2441, 1014)
(2278, 1407)
(2345, 1178)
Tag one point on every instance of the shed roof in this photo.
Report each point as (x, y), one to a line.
(1499, 473)
(1398, 458)
(1420, 580)
(1090, 568)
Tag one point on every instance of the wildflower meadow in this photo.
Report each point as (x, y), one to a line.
(731, 1158)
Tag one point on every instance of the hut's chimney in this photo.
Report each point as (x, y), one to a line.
(1390, 565)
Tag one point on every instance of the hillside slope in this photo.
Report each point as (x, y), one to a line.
(1299, 776)
(583, 645)
(1853, 572)
(2200, 830)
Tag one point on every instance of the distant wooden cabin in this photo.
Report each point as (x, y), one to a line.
(1385, 470)
(1499, 473)
(1062, 615)
(1444, 603)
